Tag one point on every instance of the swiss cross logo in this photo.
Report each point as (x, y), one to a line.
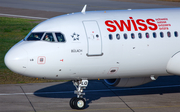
(41, 60)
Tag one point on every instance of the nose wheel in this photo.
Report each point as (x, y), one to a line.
(79, 102)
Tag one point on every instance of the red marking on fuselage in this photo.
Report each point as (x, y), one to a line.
(62, 60)
(41, 60)
(137, 25)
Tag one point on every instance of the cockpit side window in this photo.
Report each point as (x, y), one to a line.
(35, 36)
(49, 37)
(60, 37)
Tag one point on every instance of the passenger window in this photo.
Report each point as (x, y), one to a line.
(110, 37)
(161, 34)
(140, 35)
(118, 36)
(176, 34)
(60, 37)
(169, 34)
(125, 36)
(147, 35)
(154, 34)
(48, 37)
(35, 36)
(132, 35)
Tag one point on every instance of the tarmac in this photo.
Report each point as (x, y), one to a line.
(161, 95)
(48, 9)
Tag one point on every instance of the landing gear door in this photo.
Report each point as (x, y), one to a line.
(94, 40)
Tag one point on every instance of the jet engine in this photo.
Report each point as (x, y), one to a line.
(128, 82)
(173, 66)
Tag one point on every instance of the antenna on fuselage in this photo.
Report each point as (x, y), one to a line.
(84, 9)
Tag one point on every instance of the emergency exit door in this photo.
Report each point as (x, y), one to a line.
(94, 40)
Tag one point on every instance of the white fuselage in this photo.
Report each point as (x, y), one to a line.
(89, 53)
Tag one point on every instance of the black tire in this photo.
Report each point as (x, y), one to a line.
(71, 102)
(79, 103)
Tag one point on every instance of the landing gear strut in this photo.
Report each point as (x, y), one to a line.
(79, 102)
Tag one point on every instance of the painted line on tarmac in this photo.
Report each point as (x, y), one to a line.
(20, 16)
(104, 90)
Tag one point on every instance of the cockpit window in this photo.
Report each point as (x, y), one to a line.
(49, 37)
(35, 36)
(60, 37)
(46, 36)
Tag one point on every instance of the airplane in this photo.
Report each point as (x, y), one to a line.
(126, 48)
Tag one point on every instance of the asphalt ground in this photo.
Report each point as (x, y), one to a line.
(69, 6)
(48, 9)
(161, 95)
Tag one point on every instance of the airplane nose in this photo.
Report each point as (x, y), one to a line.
(16, 60)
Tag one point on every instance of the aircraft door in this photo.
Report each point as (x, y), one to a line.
(94, 39)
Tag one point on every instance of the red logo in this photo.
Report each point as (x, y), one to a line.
(137, 25)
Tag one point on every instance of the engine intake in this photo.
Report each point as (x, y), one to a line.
(173, 66)
(128, 82)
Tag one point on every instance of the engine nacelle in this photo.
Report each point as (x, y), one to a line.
(173, 66)
(128, 82)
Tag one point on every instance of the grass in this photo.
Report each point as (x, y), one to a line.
(12, 30)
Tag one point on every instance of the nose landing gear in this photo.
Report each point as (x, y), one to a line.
(79, 102)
